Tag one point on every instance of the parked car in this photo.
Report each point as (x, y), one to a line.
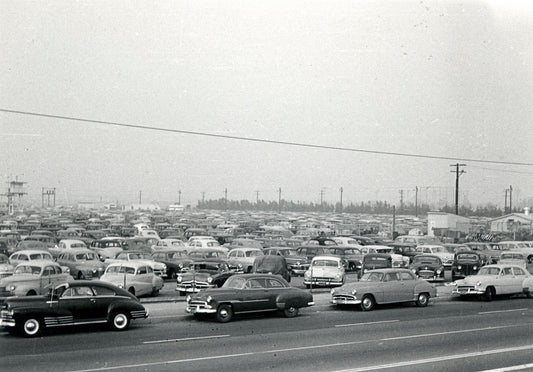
(29, 255)
(352, 256)
(466, 263)
(310, 251)
(176, 261)
(514, 258)
(202, 275)
(74, 303)
(398, 260)
(493, 280)
(297, 264)
(325, 271)
(204, 254)
(137, 278)
(405, 249)
(108, 247)
(428, 267)
(249, 293)
(272, 264)
(66, 244)
(173, 244)
(140, 256)
(489, 255)
(33, 278)
(438, 250)
(6, 269)
(243, 258)
(383, 286)
(372, 261)
(82, 262)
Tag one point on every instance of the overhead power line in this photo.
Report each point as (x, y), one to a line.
(205, 134)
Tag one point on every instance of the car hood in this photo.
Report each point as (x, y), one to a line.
(18, 278)
(473, 279)
(27, 301)
(216, 293)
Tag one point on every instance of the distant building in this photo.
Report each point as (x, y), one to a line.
(176, 208)
(142, 207)
(513, 222)
(448, 225)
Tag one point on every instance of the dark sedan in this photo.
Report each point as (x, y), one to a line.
(202, 275)
(466, 263)
(75, 303)
(249, 293)
(176, 261)
(428, 266)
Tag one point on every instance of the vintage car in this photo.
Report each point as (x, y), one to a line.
(493, 280)
(82, 262)
(438, 250)
(398, 260)
(29, 255)
(138, 278)
(352, 256)
(514, 258)
(176, 261)
(206, 254)
(249, 293)
(272, 264)
(325, 271)
(202, 275)
(33, 278)
(489, 255)
(243, 258)
(405, 249)
(428, 267)
(69, 304)
(66, 244)
(297, 264)
(140, 243)
(310, 251)
(108, 247)
(173, 244)
(372, 261)
(6, 269)
(140, 256)
(466, 263)
(197, 243)
(382, 286)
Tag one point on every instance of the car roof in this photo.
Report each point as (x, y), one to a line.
(38, 263)
(327, 257)
(129, 263)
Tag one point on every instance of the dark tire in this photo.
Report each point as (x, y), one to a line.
(422, 300)
(368, 303)
(490, 293)
(31, 327)
(290, 312)
(307, 286)
(224, 313)
(119, 321)
(155, 292)
(172, 274)
(81, 276)
(182, 293)
(131, 290)
(528, 294)
(530, 259)
(31, 293)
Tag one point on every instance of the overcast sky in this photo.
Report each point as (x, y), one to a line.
(450, 79)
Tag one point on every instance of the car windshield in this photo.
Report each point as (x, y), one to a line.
(467, 257)
(254, 253)
(212, 244)
(207, 267)
(27, 269)
(384, 250)
(87, 256)
(332, 263)
(372, 277)
(489, 271)
(288, 252)
(235, 282)
(439, 250)
(511, 256)
(425, 260)
(139, 256)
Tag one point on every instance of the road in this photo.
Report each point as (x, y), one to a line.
(450, 334)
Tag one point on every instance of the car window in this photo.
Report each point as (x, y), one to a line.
(256, 283)
(390, 277)
(406, 275)
(518, 271)
(142, 270)
(48, 270)
(103, 291)
(507, 271)
(372, 277)
(273, 283)
(83, 291)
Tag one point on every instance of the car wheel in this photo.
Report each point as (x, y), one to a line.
(172, 274)
(368, 303)
(120, 321)
(530, 259)
(290, 312)
(131, 290)
(155, 292)
(31, 293)
(182, 293)
(224, 313)
(308, 286)
(422, 300)
(490, 293)
(81, 276)
(31, 327)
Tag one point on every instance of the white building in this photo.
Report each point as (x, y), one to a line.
(448, 225)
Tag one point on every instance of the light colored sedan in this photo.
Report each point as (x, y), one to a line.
(325, 271)
(138, 278)
(384, 286)
(493, 280)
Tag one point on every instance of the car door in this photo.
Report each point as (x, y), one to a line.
(256, 296)
(506, 282)
(394, 290)
(81, 302)
(144, 277)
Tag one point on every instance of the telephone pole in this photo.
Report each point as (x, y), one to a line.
(510, 199)
(457, 174)
(279, 200)
(179, 197)
(341, 199)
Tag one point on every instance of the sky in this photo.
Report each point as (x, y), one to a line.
(451, 81)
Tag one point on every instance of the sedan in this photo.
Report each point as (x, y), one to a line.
(249, 293)
(383, 286)
(70, 304)
(493, 280)
(137, 277)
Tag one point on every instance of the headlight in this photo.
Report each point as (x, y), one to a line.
(239, 266)
(180, 266)
(12, 287)
(354, 292)
(188, 298)
(307, 274)
(179, 278)
(338, 277)
(332, 291)
(209, 299)
(478, 284)
(297, 263)
(209, 280)
(164, 267)
(438, 272)
(459, 267)
(413, 270)
(475, 268)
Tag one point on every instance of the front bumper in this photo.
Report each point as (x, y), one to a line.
(199, 307)
(6, 319)
(323, 282)
(467, 291)
(189, 289)
(345, 300)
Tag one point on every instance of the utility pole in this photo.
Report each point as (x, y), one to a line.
(279, 200)
(401, 200)
(505, 207)
(341, 198)
(416, 201)
(257, 197)
(179, 197)
(457, 174)
(225, 198)
(203, 197)
(140, 196)
(510, 199)
(321, 198)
